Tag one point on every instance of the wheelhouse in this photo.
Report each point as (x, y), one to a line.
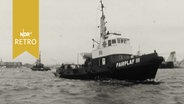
(117, 41)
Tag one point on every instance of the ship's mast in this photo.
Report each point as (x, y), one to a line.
(102, 26)
(40, 58)
(38, 61)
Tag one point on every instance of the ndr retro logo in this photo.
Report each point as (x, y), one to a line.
(25, 39)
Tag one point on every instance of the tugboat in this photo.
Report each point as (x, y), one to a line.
(38, 66)
(112, 59)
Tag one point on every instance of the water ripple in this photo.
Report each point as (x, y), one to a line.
(23, 86)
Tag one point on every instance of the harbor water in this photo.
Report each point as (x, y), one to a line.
(23, 86)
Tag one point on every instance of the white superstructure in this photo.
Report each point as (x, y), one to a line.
(110, 43)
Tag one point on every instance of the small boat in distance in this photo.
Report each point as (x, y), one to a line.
(112, 58)
(38, 66)
(171, 62)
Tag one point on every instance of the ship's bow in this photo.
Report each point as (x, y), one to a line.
(138, 68)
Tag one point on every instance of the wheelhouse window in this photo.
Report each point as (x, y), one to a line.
(122, 40)
(113, 41)
(118, 40)
(125, 41)
(109, 42)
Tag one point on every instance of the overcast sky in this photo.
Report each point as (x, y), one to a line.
(67, 27)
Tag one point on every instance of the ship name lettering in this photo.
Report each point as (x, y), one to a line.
(125, 63)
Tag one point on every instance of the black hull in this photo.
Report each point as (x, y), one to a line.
(145, 69)
(138, 72)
